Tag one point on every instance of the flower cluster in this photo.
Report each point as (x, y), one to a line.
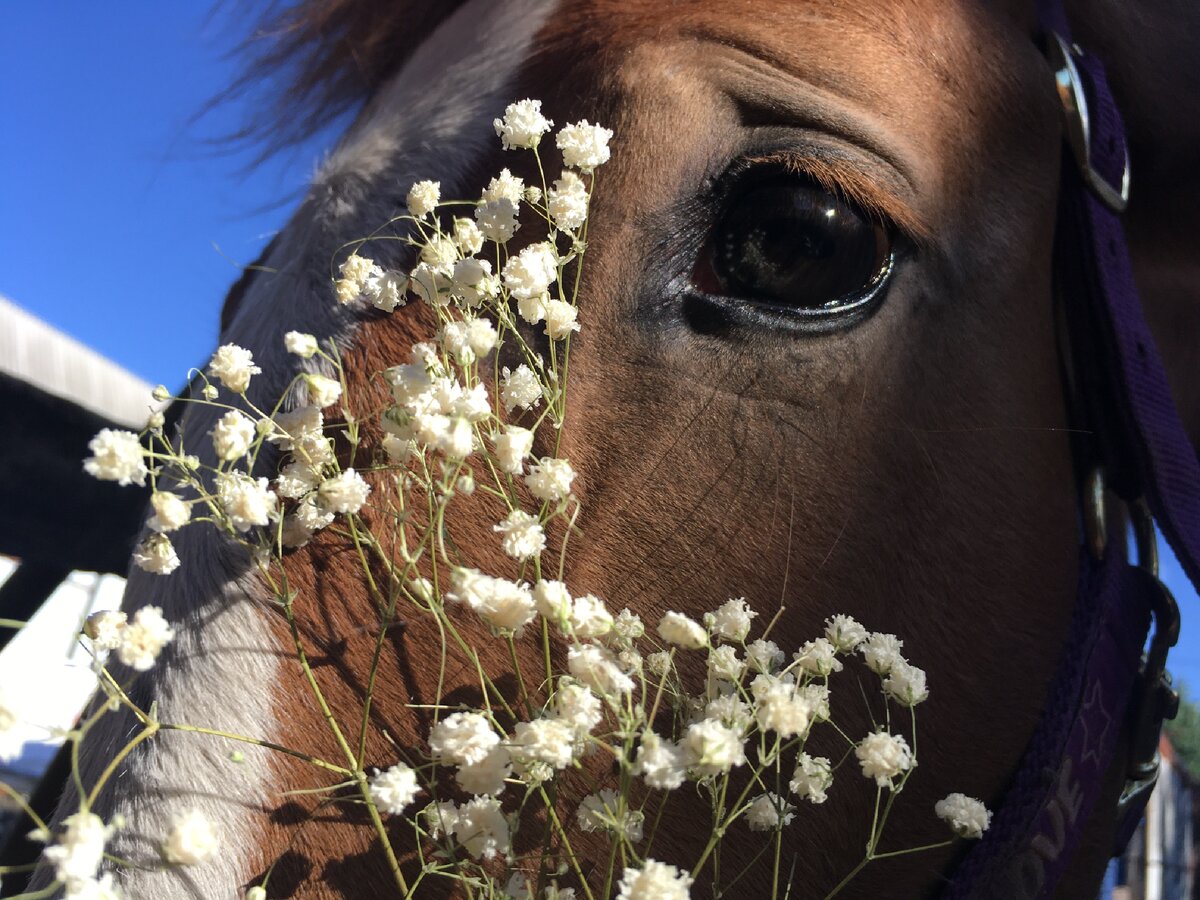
(695, 699)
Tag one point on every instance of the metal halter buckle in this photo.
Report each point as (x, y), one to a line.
(1078, 126)
(1155, 700)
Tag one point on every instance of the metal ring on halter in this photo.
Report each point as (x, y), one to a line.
(1078, 126)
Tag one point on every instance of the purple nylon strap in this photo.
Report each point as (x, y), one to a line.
(1060, 778)
(1037, 829)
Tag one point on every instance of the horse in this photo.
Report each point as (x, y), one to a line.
(906, 458)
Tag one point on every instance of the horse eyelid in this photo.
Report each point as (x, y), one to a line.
(849, 182)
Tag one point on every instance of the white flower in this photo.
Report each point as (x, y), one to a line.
(731, 620)
(258, 892)
(812, 778)
(512, 446)
(322, 391)
(233, 435)
(603, 812)
(467, 237)
(660, 762)
(764, 656)
(292, 429)
(883, 756)
(817, 697)
(533, 309)
(433, 284)
(548, 741)
(676, 628)
(293, 533)
(723, 663)
(966, 816)
(731, 711)
(191, 841)
(578, 707)
(654, 881)
(505, 186)
(550, 479)
(553, 600)
(818, 656)
(143, 639)
(561, 319)
(116, 456)
(462, 739)
(440, 252)
(481, 828)
(628, 625)
(597, 668)
(520, 388)
(522, 126)
(584, 146)
(210, 392)
(453, 338)
(589, 618)
(437, 818)
(497, 219)
(310, 516)
(232, 366)
(844, 633)
(170, 511)
(156, 421)
(359, 269)
(300, 344)
(711, 748)
(659, 662)
(347, 290)
(481, 336)
(503, 604)
(398, 449)
(156, 554)
(530, 273)
(247, 501)
(393, 789)
(423, 197)
(486, 777)
(104, 628)
(388, 291)
(768, 811)
(906, 683)
(523, 535)
(296, 480)
(779, 706)
(79, 850)
(344, 493)
(881, 652)
(567, 201)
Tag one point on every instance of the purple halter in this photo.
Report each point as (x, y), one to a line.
(1104, 683)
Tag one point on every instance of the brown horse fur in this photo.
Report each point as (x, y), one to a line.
(912, 471)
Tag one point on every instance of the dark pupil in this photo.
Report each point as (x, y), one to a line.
(793, 244)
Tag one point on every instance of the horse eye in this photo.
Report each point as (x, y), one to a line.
(789, 246)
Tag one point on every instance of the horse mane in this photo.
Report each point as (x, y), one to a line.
(311, 61)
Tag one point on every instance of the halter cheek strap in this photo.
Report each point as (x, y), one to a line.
(1105, 685)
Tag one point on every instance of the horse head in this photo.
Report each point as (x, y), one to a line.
(820, 370)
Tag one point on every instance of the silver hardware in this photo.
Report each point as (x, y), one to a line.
(1078, 126)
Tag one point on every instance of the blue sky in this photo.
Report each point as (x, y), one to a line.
(121, 225)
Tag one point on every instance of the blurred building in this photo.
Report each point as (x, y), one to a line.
(1160, 861)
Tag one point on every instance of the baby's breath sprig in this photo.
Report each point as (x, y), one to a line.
(464, 413)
